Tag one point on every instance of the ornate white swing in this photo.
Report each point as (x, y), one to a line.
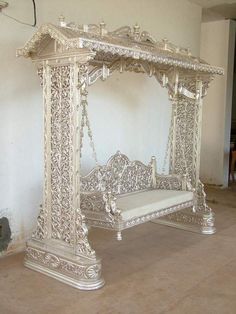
(122, 193)
(125, 193)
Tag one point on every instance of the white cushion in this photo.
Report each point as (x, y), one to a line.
(145, 202)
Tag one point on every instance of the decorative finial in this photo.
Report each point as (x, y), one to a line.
(136, 28)
(102, 24)
(62, 22)
(136, 32)
(85, 28)
(165, 42)
(103, 30)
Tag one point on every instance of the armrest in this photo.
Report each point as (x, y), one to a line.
(99, 202)
(186, 183)
(173, 182)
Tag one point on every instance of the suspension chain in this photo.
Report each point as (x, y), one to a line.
(86, 123)
(182, 146)
(170, 135)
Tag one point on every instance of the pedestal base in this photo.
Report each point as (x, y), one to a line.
(79, 272)
(200, 222)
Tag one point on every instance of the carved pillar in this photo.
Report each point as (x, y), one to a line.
(59, 246)
(186, 139)
(185, 157)
(173, 135)
(182, 153)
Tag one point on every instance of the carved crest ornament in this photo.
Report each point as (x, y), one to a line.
(69, 58)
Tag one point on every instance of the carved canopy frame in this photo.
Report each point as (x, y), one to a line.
(69, 58)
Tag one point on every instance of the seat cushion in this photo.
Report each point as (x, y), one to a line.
(145, 202)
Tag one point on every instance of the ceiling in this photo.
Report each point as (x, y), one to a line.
(217, 9)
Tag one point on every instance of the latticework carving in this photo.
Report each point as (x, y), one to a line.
(183, 159)
(169, 182)
(120, 175)
(61, 176)
(56, 218)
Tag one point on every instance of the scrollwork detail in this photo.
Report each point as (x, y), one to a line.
(60, 264)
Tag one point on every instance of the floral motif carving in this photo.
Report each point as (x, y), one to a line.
(169, 182)
(61, 150)
(62, 265)
(119, 176)
(58, 217)
(167, 211)
(183, 155)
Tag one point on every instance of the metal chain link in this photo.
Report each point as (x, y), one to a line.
(167, 152)
(182, 147)
(86, 123)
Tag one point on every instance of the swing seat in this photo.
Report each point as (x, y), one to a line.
(143, 203)
(126, 193)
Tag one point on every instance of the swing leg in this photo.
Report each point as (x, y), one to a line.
(119, 236)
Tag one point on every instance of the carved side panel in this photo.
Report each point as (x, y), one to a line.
(61, 151)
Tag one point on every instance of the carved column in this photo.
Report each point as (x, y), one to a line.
(183, 141)
(185, 157)
(173, 135)
(59, 246)
(186, 139)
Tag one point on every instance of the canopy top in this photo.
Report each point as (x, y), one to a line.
(124, 42)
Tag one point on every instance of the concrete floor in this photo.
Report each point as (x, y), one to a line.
(155, 269)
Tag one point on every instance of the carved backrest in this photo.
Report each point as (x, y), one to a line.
(119, 175)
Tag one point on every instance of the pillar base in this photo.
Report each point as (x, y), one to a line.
(79, 272)
(200, 222)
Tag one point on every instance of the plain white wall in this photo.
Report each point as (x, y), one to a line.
(218, 50)
(128, 112)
